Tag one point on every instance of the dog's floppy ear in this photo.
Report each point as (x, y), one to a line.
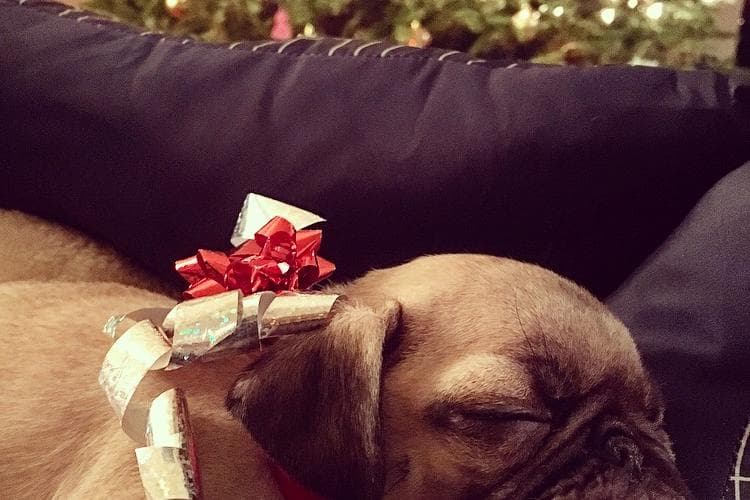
(313, 402)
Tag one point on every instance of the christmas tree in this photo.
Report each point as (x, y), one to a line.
(653, 32)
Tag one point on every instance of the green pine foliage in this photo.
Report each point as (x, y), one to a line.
(657, 32)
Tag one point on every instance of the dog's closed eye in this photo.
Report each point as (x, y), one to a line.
(488, 422)
(499, 414)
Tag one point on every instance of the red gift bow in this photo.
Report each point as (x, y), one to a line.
(279, 258)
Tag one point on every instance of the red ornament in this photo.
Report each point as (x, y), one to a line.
(279, 258)
(282, 26)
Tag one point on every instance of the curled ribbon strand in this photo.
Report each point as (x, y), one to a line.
(203, 328)
(168, 465)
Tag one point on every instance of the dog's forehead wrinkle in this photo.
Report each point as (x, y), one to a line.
(483, 374)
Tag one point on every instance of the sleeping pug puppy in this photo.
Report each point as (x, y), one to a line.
(462, 377)
(453, 376)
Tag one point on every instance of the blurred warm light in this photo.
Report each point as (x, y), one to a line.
(607, 15)
(655, 10)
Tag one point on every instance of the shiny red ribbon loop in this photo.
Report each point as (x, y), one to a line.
(279, 258)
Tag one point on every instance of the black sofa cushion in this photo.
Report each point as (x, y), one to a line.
(151, 143)
(688, 307)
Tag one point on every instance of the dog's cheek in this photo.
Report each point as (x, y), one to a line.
(418, 462)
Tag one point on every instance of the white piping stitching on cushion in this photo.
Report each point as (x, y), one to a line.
(362, 47)
(338, 46)
(287, 44)
(448, 54)
(262, 45)
(389, 49)
(512, 65)
(333, 49)
(740, 455)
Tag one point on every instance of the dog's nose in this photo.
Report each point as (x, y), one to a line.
(621, 450)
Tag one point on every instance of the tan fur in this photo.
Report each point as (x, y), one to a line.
(35, 249)
(58, 436)
(466, 325)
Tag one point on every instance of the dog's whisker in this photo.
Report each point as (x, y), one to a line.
(520, 323)
(543, 336)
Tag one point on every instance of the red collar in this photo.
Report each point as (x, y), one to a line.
(289, 487)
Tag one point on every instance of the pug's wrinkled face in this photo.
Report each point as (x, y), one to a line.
(462, 376)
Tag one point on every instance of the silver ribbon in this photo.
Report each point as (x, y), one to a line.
(140, 349)
(194, 329)
(168, 465)
(257, 210)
